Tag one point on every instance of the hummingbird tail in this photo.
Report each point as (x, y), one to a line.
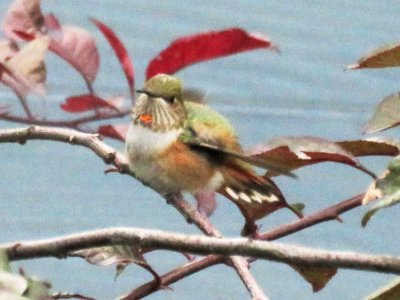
(254, 190)
(256, 196)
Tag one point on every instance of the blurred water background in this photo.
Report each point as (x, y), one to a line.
(49, 189)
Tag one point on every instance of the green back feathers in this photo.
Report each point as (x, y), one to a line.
(200, 114)
(209, 126)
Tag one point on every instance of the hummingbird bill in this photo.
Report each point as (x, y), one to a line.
(179, 145)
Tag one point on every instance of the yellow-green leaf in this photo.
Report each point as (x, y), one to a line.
(386, 115)
(29, 60)
(120, 256)
(386, 187)
(27, 72)
(7, 49)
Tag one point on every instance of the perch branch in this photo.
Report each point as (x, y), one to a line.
(156, 239)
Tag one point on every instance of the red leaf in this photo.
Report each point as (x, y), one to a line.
(295, 152)
(120, 51)
(192, 49)
(24, 36)
(73, 44)
(81, 103)
(117, 132)
(22, 15)
(78, 48)
(51, 22)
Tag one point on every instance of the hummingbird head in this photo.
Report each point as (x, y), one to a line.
(160, 104)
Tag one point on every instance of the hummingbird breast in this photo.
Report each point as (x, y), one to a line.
(168, 165)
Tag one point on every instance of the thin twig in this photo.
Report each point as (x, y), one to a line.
(177, 274)
(90, 88)
(71, 123)
(328, 214)
(89, 85)
(61, 295)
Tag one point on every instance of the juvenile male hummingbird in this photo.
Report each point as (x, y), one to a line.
(175, 145)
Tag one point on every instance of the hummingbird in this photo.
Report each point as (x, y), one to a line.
(175, 144)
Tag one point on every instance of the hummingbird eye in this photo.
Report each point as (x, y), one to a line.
(169, 99)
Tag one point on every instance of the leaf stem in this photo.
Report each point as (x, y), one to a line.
(25, 106)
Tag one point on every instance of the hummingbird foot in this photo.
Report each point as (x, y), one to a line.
(169, 197)
(250, 229)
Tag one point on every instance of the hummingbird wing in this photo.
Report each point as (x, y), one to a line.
(208, 131)
(254, 161)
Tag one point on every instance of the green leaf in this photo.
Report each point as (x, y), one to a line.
(389, 292)
(318, 277)
(386, 115)
(37, 289)
(386, 187)
(298, 207)
(384, 57)
(12, 286)
(384, 203)
(4, 264)
(20, 286)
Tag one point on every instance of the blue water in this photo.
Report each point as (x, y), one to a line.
(51, 189)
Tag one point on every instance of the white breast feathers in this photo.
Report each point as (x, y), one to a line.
(142, 142)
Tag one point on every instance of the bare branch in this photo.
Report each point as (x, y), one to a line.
(71, 123)
(156, 239)
(328, 214)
